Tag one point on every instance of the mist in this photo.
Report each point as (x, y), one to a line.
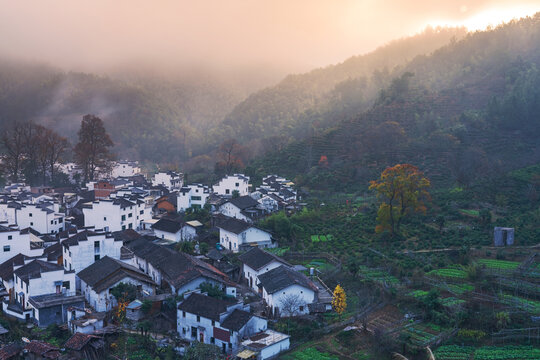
(279, 36)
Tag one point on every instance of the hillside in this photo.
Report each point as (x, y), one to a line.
(288, 108)
(467, 110)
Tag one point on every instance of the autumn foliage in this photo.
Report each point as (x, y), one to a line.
(402, 190)
(339, 300)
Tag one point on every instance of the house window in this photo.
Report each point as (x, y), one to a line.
(7, 248)
(184, 331)
(10, 237)
(65, 263)
(52, 222)
(30, 214)
(198, 318)
(213, 323)
(227, 191)
(66, 284)
(193, 332)
(237, 184)
(31, 224)
(123, 217)
(183, 314)
(123, 227)
(130, 215)
(141, 212)
(61, 220)
(96, 245)
(130, 226)
(301, 308)
(212, 340)
(195, 198)
(104, 218)
(96, 257)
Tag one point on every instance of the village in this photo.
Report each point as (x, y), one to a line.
(127, 251)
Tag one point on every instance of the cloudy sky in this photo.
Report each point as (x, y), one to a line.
(228, 33)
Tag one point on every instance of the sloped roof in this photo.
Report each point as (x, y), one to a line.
(283, 277)
(232, 225)
(10, 351)
(236, 320)
(33, 269)
(79, 340)
(45, 350)
(244, 202)
(6, 268)
(108, 271)
(205, 306)
(256, 258)
(178, 268)
(167, 225)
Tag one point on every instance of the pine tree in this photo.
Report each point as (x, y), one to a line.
(339, 300)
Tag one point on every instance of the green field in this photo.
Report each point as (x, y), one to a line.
(453, 352)
(322, 238)
(449, 273)
(309, 354)
(502, 265)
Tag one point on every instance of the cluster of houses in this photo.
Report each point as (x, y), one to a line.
(64, 251)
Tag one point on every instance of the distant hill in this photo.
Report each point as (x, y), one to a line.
(470, 109)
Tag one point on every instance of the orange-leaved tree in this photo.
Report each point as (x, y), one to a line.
(402, 189)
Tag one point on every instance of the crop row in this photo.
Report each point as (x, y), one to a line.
(455, 352)
(499, 264)
(450, 273)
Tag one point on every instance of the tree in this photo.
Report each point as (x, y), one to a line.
(56, 147)
(200, 351)
(339, 300)
(92, 151)
(440, 220)
(14, 142)
(290, 304)
(231, 156)
(402, 189)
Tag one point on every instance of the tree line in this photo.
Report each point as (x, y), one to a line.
(32, 152)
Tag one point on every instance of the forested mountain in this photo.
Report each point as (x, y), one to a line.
(151, 118)
(289, 108)
(169, 119)
(469, 109)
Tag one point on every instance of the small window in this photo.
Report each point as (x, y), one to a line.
(123, 227)
(61, 220)
(52, 222)
(65, 263)
(31, 224)
(30, 214)
(184, 331)
(7, 248)
(227, 191)
(212, 340)
(66, 284)
(198, 318)
(96, 244)
(301, 308)
(183, 314)
(213, 323)
(96, 257)
(141, 212)
(10, 237)
(237, 184)
(104, 218)
(130, 215)
(123, 217)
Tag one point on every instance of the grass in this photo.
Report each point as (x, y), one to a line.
(449, 273)
(310, 353)
(474, 213)
(452, 301)
(527, 173)
(503, 265)
(418, 293)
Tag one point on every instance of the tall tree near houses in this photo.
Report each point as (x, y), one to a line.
(402, 190)
(13, 141)
(92, 151)
(231, 156)
(339, 300)
(57, 147)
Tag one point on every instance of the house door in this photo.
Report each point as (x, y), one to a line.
(224, 347)
(201, 337)
(58, 289)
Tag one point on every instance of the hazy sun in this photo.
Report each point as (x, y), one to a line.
(491, 17)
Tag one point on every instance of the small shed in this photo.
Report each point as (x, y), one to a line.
(503, 236)
(134, 310)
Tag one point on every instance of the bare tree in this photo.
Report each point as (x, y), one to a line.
(291, 303)
(14, 142)
(92, 150)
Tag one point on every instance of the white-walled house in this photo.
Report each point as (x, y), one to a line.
(98, 279)
(83, 249)
(43, 291)
(116, 214)
(170, 179)
(287, 292)
(173, 270)
(43, 218)
(244, 208)
(174, 230)
(231, 183)
(7, 212)
(267, 344)
(257, 262)
(125, 168)
(218, 322)
(13, 242)
(194, 195)
(237, 235)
